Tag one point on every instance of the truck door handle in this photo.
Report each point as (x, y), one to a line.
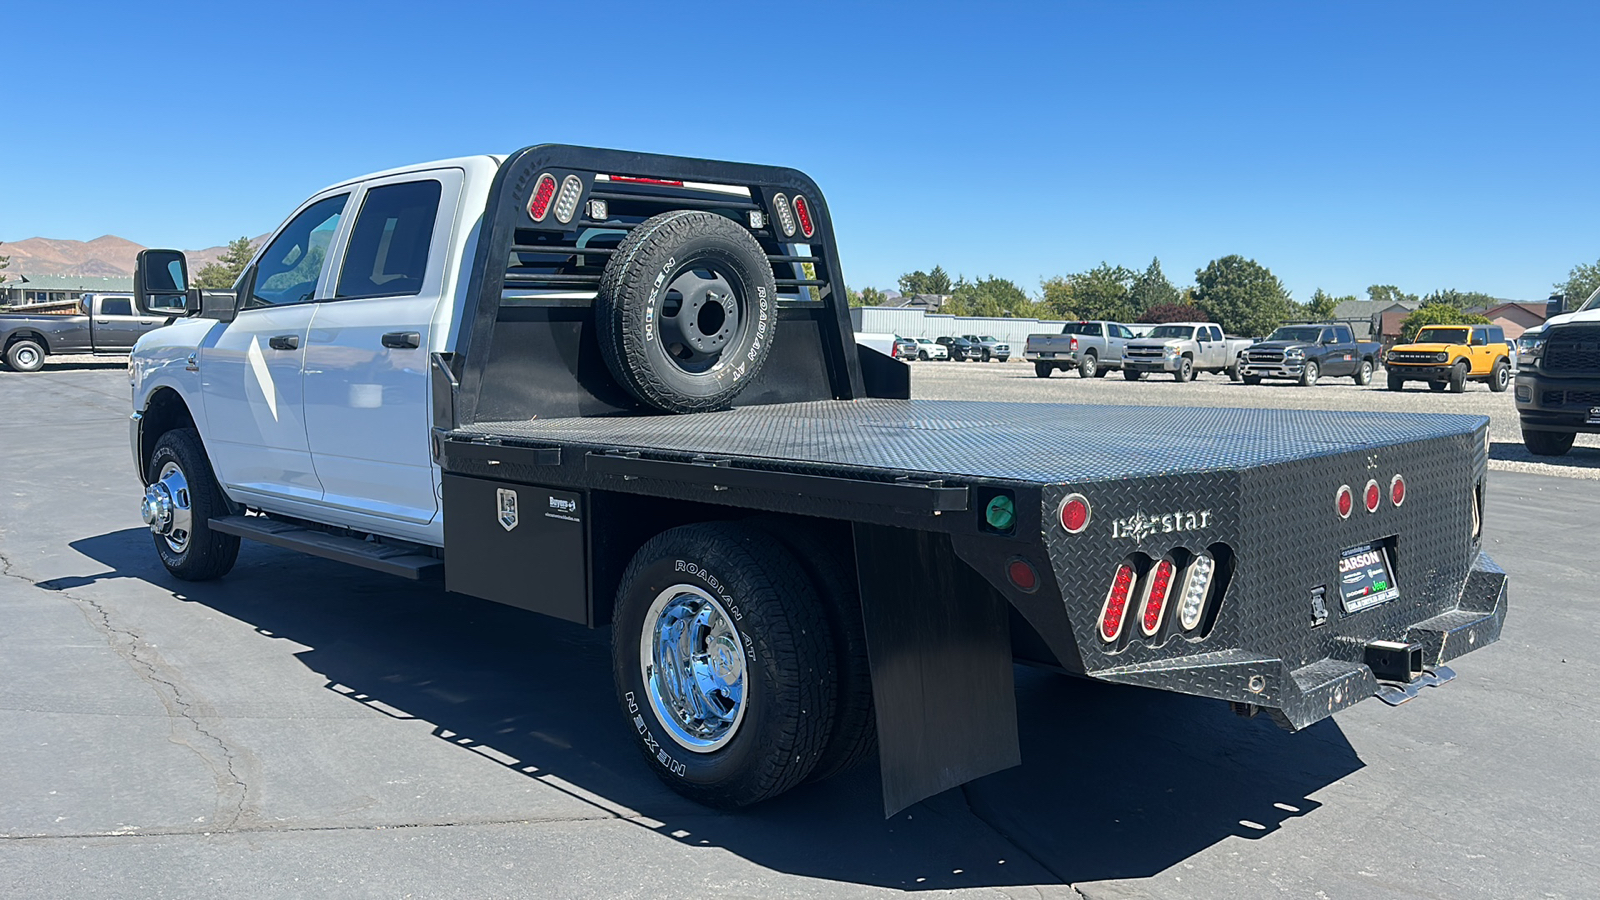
(284, 342)
(402, 340)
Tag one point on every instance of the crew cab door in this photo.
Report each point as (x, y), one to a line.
(1213, 350)
(251, 379)
(116, 327)
(1340, 349)
(1117, 339)
(366, 366)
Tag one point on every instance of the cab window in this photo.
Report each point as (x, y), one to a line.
(1480, 336)
(116, 306)
(291, 264)
(389, 244)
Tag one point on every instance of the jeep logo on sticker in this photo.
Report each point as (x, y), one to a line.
(506, 503)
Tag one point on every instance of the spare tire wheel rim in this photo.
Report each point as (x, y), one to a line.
(699, 315)
(693, 662)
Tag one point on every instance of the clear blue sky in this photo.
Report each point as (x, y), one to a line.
(1428, 145)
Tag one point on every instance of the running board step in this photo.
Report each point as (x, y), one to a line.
(354, 551)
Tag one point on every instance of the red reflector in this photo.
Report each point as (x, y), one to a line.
(1075, 513)
(1346, 501)
(1022, 575)
(1116, 603)
(802, 209)
(1373, 496)
(543, 193)
(1397, 490)
(1155, 604)
(630, 179)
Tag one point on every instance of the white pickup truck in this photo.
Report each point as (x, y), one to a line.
(622, 389)
(1184, 349)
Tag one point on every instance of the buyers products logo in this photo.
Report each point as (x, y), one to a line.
(506, 503)
(564, 508)
(1141, 525)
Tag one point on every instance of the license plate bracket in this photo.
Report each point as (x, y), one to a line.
(1366, 576)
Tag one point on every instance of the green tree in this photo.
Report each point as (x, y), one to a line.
(1104, 292)
(1435, 314)
(867, 297)
(1458, 299)
(1388, 293)
(1172, 312)
(991, 296)
(920, 282)
(1582, 281)
(1242, 296)
(1055, 298)
(1151, 288)
(221, 274)
(1323, 304)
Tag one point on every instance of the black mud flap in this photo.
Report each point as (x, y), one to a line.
(939, 642)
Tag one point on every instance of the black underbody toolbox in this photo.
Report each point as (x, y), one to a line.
(554, 475)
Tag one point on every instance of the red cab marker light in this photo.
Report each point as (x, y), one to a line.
(1074, 513)
(634, 179)
(802, 211)
(1397, 490)
(1022, 575)
(1345, 502)
(1113, 613)
(1374, 496)
(543, 192)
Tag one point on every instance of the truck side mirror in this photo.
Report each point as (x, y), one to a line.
(161, 282)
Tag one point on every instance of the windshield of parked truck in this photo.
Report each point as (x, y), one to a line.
(988, 337)
(1593, 302)
(1092, 328)
(1182, 332)
(1308, 333)
(1439, 335)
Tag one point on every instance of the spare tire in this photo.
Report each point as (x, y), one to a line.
(687, 311)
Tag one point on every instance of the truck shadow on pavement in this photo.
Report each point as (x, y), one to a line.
(1579, 457)
(1117, 782)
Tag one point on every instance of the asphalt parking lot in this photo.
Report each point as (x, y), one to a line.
(300, 728)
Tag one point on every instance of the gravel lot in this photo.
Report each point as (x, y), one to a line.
(1015, 381)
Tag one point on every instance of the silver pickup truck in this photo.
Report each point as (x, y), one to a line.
(104, 323)
(1184, 349)
(1093, 348)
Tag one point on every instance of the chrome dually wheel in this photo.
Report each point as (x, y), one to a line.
(693, 665)
(168, 508)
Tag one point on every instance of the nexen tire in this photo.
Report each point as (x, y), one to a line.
(788, 679)
(686, 311)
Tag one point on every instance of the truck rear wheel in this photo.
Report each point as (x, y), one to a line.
(25, 356)
(1547, 443)
(1458, 377)
(179, 504)
(1089, 365)
(1042, 369)
(724, 663)
(687, 311)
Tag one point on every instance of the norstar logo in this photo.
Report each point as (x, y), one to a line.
(1141, 525)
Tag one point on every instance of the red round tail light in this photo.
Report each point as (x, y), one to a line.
(1397, 490)
(802, 211)
(1346, 501)
(1074, 513)
(1374, 496)
(543, 192)
(1022, 574)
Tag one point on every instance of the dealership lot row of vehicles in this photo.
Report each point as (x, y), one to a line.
(966, 348)
(1445, 357)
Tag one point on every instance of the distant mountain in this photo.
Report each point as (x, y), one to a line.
(105, 256)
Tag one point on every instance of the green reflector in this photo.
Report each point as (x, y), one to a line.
(1001, 514)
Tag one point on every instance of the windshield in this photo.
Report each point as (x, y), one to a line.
(987, 337)
(1172, 331)
(1592, 303)
(1442, 336)
(924, 341)
(1310, 335)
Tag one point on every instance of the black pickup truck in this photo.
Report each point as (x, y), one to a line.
(647, 412)
(1305, 353)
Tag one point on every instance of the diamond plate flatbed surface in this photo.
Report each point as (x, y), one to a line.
(1034, 442)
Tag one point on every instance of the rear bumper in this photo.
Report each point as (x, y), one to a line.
(1298, 696)
(1050, 356)
(1557, 404)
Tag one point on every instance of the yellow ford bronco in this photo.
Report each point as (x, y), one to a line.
(1450, 356)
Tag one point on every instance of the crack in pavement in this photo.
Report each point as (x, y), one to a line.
(295, 829)
(233, 791)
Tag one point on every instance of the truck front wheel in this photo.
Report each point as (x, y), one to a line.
(25, 356)
(724, 663)
(1458, 377)
(1132, 374)
(1310, 374)
(1547, 443)
(1185, 370)
(1396, 382)
(179, 504)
